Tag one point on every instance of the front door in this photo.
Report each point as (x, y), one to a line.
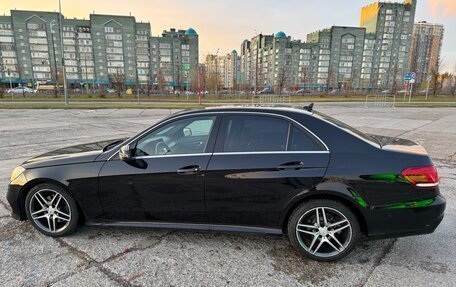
(165, 180)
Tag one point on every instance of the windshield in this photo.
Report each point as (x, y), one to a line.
(348, 129)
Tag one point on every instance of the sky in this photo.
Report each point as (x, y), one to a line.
(224, 24)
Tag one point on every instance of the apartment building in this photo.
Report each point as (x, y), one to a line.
(425, 49)
(38, 46)
(374, 55)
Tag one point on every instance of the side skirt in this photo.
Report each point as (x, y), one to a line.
(188, 226)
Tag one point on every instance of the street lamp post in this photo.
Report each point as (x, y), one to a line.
(56, 80)
(61, 51)
(86, 82)
(216, 71)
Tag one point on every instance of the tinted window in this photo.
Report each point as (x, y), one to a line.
(255, 133)
(303, 141)
(348, 129)
(186, 136)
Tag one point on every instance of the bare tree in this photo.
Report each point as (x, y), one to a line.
(435, 73)
(161, 81)
(329, 79)
(394, 87)
(213, 81)
(305, 72)
(453, 85)
(117, 80)
(446, 80)
(282, 78)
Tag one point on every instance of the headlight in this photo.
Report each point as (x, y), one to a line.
(17, 172)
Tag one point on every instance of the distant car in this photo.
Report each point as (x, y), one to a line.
(302, 91)
(386, 92)
(333, 92)
(402, 91)
(424, 91)
(189, 93)
(20, 90)
(265, 91)
(110, 91)
(269, 170)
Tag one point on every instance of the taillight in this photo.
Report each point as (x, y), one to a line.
(422, 176)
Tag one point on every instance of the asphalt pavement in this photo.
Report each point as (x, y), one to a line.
(96, 256)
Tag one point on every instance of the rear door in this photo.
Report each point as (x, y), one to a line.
(260, 163)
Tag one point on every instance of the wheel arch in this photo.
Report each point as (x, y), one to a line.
(31, 184)
(329, 195)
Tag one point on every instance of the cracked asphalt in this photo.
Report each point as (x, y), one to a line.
(102, 256)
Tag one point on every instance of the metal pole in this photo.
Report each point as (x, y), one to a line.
(427, 89)
(411, 89)
(61, 51)
(86, 80)
(56, 84)
(216, 71)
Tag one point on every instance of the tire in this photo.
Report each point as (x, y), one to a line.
(338, 233)
(55, 212)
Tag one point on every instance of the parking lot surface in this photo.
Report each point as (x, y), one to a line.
(96, 256)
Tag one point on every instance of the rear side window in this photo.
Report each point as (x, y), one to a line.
(263, 133)
(255, 134)
(303, 141)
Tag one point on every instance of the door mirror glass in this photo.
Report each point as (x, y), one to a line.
(125, 153)
(187, 132)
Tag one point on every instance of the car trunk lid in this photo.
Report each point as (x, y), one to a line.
(399, 144)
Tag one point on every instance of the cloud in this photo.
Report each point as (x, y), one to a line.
(443, 7)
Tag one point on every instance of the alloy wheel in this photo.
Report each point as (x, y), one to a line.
(50, 210)
(324, 232)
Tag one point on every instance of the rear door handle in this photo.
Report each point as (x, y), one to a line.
(189, 170)
(296, 165)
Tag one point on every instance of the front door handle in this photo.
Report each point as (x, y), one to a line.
(189, 170)
(296, 165)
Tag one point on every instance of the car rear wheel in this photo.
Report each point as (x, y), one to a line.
(52, 210)
(323, 230)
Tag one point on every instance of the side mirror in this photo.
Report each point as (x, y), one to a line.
(125, 153)
(187, 132)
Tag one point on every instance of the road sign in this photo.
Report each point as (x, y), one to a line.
(429, 78)
(409, 76)
(412, 81)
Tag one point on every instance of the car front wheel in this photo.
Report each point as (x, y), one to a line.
(323, 230)
(52, 210)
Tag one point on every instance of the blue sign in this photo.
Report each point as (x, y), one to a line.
(409, 76)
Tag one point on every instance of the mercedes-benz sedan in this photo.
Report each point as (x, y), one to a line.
(267, 170)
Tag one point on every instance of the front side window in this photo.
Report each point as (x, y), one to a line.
(186, 136)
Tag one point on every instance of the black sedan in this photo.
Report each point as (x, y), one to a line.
(273, 170)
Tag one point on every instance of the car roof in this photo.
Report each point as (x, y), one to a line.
(250, 108)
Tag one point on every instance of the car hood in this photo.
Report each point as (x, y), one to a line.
(399, 144)
(69, 155)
